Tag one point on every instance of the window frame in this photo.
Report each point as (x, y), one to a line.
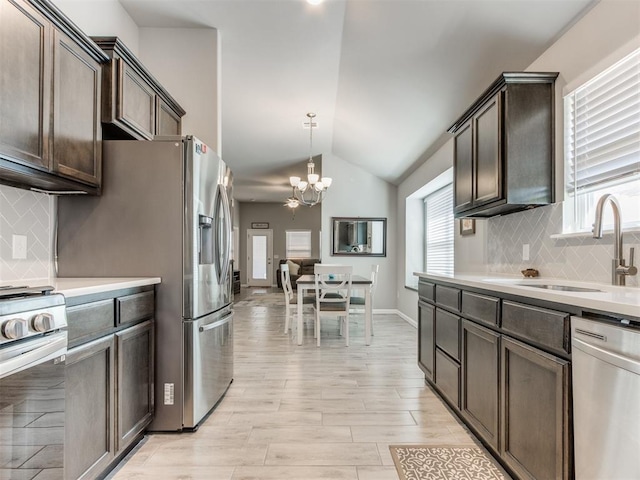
(446, 208)
(580, 200)
(287, 249)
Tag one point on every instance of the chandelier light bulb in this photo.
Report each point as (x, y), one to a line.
(318, 186)
(326, 181)
(294, 181)
(313, 178)
(302, 186)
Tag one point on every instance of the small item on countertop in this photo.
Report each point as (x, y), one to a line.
(530, 272)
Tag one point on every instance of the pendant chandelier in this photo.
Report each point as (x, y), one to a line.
(311, 191)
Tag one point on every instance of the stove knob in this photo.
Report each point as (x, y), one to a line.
(43, 322)
(15, 328)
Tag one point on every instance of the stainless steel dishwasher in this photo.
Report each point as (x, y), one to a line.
(606, 399)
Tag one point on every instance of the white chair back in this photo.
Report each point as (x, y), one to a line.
(374, 278)
(286, 282)
(333, 284)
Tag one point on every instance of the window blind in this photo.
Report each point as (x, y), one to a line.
(298, 243)
(602, 128)
(439, 231)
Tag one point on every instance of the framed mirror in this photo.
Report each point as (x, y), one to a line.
(359, 236)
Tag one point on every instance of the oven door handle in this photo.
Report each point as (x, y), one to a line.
(33, 353)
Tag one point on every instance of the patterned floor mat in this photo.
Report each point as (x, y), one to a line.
(429, 462)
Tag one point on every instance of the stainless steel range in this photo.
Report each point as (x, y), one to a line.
(33, 346)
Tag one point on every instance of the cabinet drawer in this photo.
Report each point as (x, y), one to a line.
(133, 308)
(481, 308)
(448, 377)
(448, 297)
(448, 333)
(426, 290)
(90, 319)
(544, 327)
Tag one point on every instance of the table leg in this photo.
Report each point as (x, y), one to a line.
(367, 316)
(299, 313)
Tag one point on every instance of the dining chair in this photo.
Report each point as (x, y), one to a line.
(290, 299)
(333, 296)
(359, 302)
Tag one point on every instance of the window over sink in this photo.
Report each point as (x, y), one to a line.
(602, 145)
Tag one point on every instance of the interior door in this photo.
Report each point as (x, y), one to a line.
(259, 258)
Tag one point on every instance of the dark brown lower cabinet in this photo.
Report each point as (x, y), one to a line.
(448, 377)
(480, 404)
(90, 405)
(134, 348)
(426, 339)
(535, 412)
(109, 375)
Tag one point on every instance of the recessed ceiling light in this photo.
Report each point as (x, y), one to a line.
(314, 2)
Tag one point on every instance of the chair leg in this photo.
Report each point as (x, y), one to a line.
(287, 313)
(346, 327)
(318, 329)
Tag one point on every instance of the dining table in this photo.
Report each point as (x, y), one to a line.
(358, 282)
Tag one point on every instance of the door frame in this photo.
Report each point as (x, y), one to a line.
(268, 282)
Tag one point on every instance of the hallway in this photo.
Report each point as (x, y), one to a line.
(303, 412)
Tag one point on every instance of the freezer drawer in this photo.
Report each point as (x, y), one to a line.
(208, 364)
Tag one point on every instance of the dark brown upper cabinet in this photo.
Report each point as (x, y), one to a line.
(50, 84)
(504, 147)
(134, 104)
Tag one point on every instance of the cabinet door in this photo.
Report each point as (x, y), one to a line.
(426, 339)
(77, 151)
(25, 84)
(168, 122)
(135, 102)
(135, 381)
(90, 399)
(535, 412)
(480, 380)
(463, 169)
(448, 377)
(488, 161)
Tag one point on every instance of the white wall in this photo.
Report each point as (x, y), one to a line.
(185, 61)
(357, 193)
(102, 18)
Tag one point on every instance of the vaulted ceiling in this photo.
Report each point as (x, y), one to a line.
(384, 77)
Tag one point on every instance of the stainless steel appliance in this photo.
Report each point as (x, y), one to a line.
(606, 399)
(33, 345)
(165, 211)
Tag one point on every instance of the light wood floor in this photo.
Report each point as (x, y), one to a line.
(307, 413)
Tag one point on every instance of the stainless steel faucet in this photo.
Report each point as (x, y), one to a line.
(619, 270)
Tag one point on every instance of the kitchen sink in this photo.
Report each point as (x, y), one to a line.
(561, 288)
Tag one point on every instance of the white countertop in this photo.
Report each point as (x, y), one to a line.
(613, 299)
(74, 287)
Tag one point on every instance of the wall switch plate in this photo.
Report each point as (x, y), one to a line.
(19, 247)
(525, 251)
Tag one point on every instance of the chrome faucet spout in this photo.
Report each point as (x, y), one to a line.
(619, 270)
(617, 229)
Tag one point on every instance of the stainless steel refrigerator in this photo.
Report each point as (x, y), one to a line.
(165, 211)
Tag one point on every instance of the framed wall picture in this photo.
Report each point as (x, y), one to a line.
(467, 226)
(259, 224)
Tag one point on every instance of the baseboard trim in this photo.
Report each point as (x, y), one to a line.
(394, 311)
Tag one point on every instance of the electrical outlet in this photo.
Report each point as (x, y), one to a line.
(525, 252)
(19, 247)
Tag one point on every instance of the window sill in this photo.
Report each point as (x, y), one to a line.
(586, 234)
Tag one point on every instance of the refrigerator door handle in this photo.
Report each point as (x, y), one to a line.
(217, 323)
(227, 234)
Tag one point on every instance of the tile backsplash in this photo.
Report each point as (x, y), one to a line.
(578, 258)
(30, 214)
